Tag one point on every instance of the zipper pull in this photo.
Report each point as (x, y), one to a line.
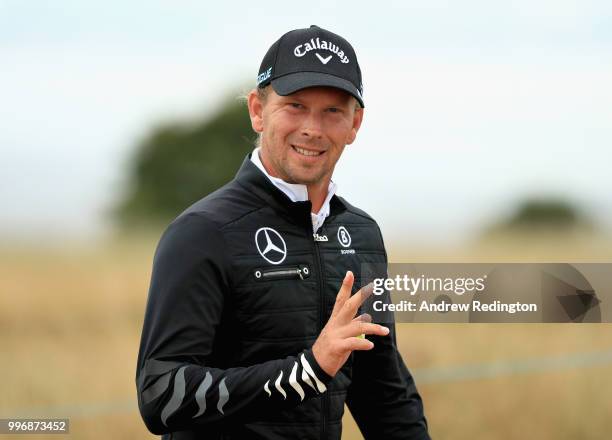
(299, 271)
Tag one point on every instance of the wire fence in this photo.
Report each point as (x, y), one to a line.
(422, 376)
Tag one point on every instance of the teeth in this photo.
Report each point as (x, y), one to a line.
(306, 152)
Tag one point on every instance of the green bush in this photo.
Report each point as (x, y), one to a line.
(179, 163)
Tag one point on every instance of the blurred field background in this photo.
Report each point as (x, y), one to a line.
(71, 321)
(487, 129)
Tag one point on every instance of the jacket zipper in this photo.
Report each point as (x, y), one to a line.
(302, 272)
(324, 401)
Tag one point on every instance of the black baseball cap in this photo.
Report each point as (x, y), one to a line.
(311, 57)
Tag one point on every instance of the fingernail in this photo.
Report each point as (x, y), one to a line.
(367, 290)
(385, 329)
(347, 274)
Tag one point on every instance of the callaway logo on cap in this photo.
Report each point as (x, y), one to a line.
(311, 57)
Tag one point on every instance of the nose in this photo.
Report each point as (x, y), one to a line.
(312, 126)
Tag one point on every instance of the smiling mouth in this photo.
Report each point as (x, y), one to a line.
(305, 152)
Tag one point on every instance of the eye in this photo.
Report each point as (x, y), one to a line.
(296, 105)
(333, 110)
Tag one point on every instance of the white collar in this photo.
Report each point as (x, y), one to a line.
(298, 192)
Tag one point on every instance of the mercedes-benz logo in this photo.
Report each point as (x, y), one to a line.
(270, 245)
(344, 237)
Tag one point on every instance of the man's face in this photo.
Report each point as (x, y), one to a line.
(304, 134)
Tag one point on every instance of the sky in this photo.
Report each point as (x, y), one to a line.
(471, 106)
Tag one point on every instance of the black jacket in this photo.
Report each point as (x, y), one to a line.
(240, 291)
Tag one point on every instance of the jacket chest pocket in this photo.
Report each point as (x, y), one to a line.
(278, 303)
(296, 272)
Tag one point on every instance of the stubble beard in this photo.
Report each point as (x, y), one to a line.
(303, 176)
(294, 173)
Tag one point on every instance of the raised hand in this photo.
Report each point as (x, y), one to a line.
(340, 336)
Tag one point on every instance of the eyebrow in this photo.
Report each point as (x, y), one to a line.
(293, 98)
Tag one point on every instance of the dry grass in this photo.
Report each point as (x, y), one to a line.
(70, 324)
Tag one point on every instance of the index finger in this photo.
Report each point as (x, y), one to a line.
(351, 306)
(344, 293)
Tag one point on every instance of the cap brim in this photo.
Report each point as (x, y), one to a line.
(291, 83)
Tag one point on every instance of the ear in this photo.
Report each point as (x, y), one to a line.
(357, 118)
(255, 111)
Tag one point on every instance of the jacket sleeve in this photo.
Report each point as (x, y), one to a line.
(382, 397)
(178, 384)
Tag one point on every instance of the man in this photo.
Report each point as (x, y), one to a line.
(246, 335)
